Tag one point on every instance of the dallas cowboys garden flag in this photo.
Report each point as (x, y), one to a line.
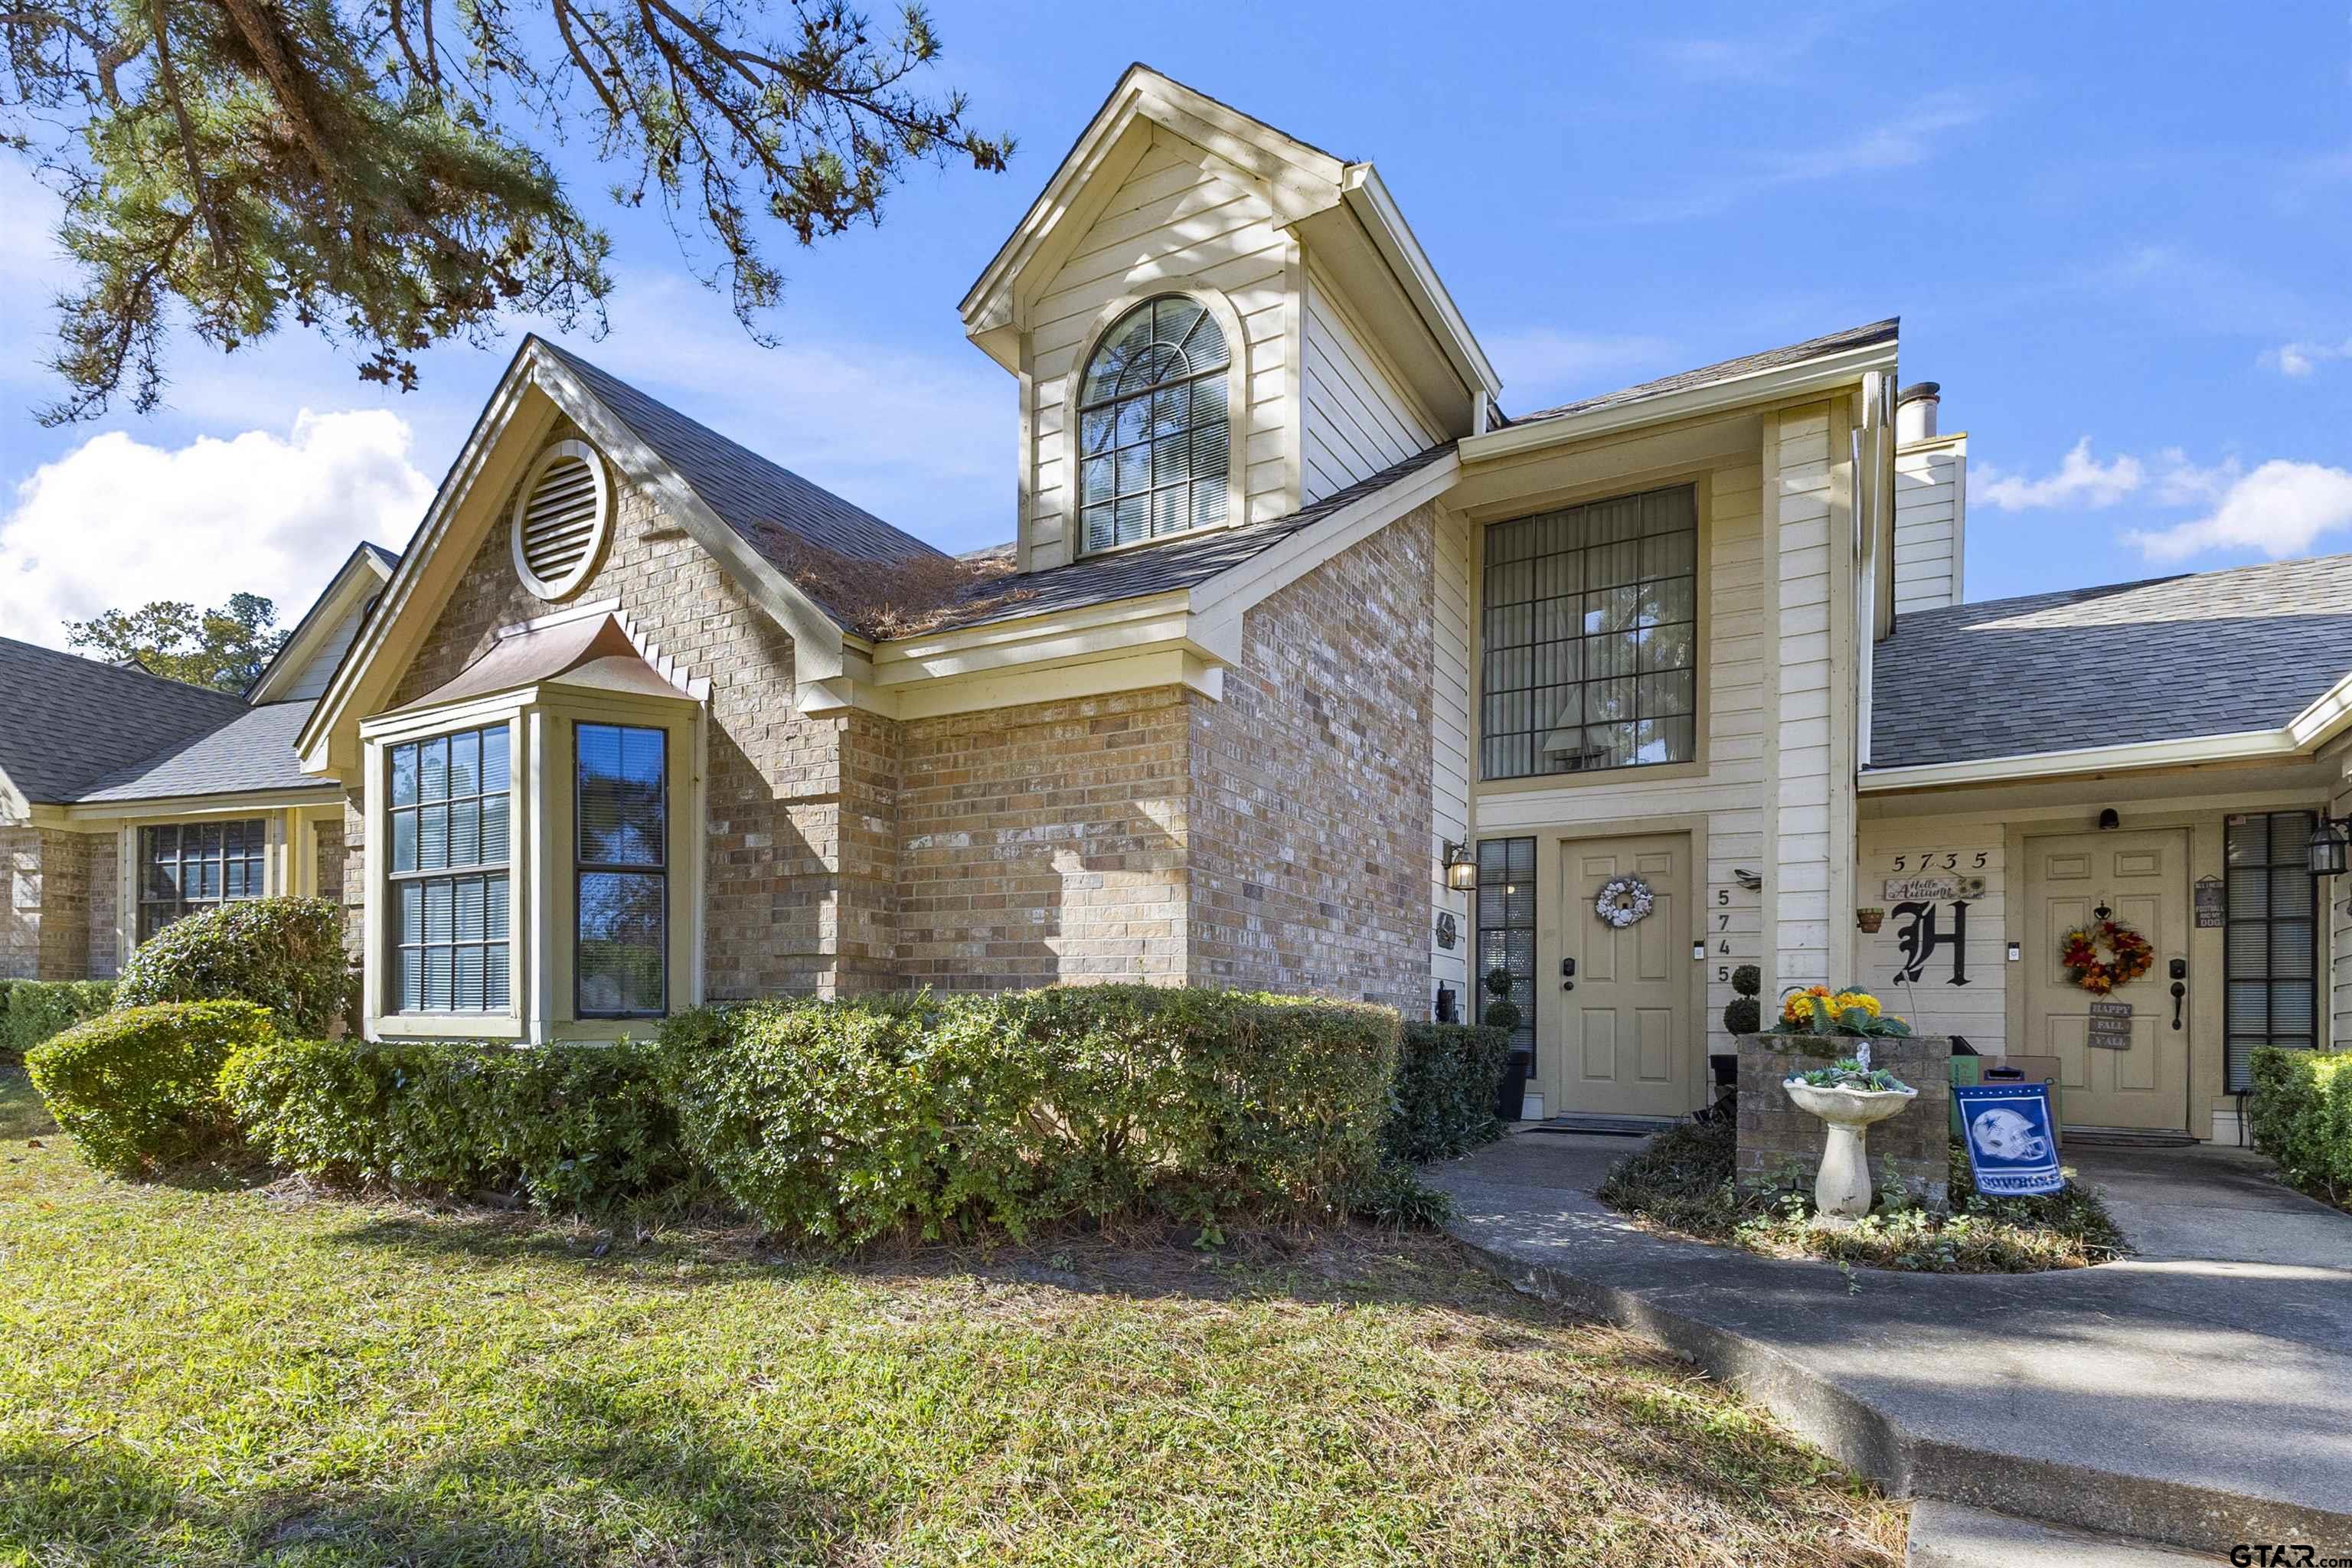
(2011, 1148)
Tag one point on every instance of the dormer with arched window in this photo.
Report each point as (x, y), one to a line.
(1156, 450)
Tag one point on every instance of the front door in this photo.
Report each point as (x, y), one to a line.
(2144, 879)
(1619, 997)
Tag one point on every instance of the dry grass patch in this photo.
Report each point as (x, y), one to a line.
(207, 1377)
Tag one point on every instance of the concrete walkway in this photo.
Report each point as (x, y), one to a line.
(2200, 1393)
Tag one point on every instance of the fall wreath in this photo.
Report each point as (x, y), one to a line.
(2133, 957)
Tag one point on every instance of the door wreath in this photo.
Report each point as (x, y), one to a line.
(1624, 900)
(2133, 956)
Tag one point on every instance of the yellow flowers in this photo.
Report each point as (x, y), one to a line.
(1799, 1007)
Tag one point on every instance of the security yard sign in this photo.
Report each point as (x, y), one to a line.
(2012, 1148)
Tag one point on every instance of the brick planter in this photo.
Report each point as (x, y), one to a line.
(1779, 1144)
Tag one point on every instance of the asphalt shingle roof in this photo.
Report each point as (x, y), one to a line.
(254, 751)
(1182, 562)
(772, 507)
(1726, 370)
(2167, 658)
(71, 721)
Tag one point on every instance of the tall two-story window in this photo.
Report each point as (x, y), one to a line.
(621, 804)
(450, 814)
(1589, 618)
(186, 867)
(1154, 439)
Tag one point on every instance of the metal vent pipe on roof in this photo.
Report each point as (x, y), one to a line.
(1915, 412)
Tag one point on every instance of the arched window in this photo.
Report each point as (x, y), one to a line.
(1155, 451)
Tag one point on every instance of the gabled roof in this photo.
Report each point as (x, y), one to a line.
(1726, 370)
(71, 721)
(1341, 208)
(354, 584)
(1181, 562)
(772, 507)
(252, 752)
(2215, 653)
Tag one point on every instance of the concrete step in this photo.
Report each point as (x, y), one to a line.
(1952, 1535)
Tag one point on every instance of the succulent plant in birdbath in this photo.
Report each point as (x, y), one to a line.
(1849, 1095)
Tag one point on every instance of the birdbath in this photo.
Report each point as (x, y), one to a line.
(1842, 1189)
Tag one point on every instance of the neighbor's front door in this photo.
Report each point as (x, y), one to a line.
(2144, 879)
(1620, 1039)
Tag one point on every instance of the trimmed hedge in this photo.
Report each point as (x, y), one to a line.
(1444, 1104)
(287, 954)
(2302, 1116)
(836, 1122)
(574, 1127)
(33, 1010)
(136, 1087)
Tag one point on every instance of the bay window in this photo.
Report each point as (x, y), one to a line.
(449, 815)
(621, 816)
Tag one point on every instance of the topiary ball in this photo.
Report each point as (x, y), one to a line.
(1748, 980)
(1502, 1015)
(1743, 1017)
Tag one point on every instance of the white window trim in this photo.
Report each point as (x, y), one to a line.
(540, 887)
(1237, 414)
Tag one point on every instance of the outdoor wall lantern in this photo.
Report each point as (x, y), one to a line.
(1460, 867)
(2327, 849)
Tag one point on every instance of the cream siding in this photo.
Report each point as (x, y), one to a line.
(1449, 750)
(1812, 797)
(1356, 418)
(1898, 849)
(1930, 515)
(1180, 217)
(310, 682)
(1722, 796)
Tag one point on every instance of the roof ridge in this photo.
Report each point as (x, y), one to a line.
(2343, 557)
(1787, 353)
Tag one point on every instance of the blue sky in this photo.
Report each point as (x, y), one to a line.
(2119, 236)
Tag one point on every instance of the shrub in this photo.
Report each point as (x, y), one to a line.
(33, 1010)
(835, 1123)
(286, 954)
(1742, 1015)
(135, 1087)
(2302, 1116)
(1444, 1104)
(572, 1127)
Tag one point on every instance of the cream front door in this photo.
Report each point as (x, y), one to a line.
(2144, 879)
(1615, 1034)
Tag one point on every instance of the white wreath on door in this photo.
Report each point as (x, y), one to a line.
(1624, 900)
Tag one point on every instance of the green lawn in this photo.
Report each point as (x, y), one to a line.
(209, 1375)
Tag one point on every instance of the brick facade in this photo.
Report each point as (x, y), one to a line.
(105, 883)
(1046, 842)
(1780, 1142)
(1311, 783)
(1276, 839)
(44, 927)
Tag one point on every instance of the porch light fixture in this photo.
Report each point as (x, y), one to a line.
(1460, 867)
(2324, 854)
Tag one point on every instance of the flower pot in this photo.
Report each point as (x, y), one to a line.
(1870, 920)
(1511, 1094)
(1842, 1188)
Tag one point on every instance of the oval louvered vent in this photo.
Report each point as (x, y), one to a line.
(560, 519)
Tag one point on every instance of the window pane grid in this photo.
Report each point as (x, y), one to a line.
(450, 806)
(2270, 991)
(1154, 432)
(190, 867)
(621, 846)
(1589, 628)
(1506, 916)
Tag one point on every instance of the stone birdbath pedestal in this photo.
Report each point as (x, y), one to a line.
(1842, 1188)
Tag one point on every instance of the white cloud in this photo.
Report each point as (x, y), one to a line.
(1768, 56)
(115, 522)
(1909, 138)
(2081, 480)
(2278, 509)
(2301, 359)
